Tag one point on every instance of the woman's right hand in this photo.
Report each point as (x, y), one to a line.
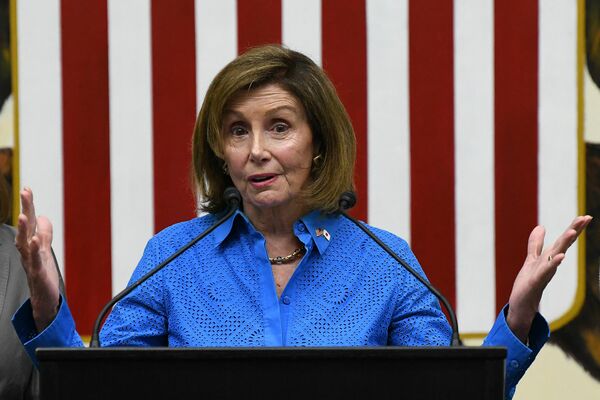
(34, 240)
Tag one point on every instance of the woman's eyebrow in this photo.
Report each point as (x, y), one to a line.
(298, 112)
(283, 108)
(233, 112)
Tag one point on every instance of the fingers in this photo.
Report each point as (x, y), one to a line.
(34, 235)
(41, 239)
(536, 241)
(548, 272)
(569, 236)
(21, 239)
(35, 247)
(44, 232)
(580, 223)
(536, 274)
(560, 246)
(28, 210)
(555, 260)
(563, 242)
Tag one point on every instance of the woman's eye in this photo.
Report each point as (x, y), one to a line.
(238, 130)
(281, 127)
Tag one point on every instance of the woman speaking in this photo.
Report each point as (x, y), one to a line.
(286, 269)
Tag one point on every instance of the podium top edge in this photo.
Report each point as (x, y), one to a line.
(50, 354)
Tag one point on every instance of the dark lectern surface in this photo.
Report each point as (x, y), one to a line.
(288, 373)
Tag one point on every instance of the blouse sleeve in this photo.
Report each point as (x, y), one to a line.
(137, 320)
(60, 333)
(519, 356)
(418, 321)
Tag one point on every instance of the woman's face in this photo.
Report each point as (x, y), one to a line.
(268, 147)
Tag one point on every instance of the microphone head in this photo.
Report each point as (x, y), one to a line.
(347, 200)
(232, 196)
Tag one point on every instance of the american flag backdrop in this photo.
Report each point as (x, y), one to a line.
(466, 114)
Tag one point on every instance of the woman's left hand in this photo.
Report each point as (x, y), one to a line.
(537, 271)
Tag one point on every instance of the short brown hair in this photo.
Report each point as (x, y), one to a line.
(332, 130)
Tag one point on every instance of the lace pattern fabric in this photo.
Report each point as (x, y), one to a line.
(221, 293)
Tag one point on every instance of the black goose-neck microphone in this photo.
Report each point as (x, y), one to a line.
(233, 199)
(347, 201)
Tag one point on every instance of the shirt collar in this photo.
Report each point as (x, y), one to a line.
(321, 227)
(223, 231)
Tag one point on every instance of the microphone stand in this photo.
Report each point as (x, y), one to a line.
(233, 199)
(347, 201)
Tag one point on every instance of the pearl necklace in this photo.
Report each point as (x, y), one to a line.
(289, 258)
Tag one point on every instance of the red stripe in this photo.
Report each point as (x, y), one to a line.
(431, 81)
(516, 147)
(174, 109)
(86, 150)
(259, 22)
(345, 60)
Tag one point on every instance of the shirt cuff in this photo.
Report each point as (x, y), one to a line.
(519, 355)
(60, 333)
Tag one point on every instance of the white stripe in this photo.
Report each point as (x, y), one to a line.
(557, 188)
(474, 163)
(388, 122)
(40, 110)
(301, 27)
(591, 102)
(132, 208)
(216, 41)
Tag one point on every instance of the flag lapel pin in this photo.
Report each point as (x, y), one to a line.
(324, 233)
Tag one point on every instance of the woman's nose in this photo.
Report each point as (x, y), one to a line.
(259, 147)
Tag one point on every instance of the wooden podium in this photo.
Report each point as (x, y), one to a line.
(289, 373)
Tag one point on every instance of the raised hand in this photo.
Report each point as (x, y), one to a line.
(34, 240)
(537, 271)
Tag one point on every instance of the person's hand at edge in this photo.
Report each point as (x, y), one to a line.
(34, 240)
(537, 271)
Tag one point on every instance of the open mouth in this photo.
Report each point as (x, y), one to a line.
(261, 178)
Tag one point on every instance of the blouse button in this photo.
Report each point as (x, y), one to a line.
(301, 227)
(286, 300)
(514, 364)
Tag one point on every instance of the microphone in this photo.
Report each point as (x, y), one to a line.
(232, 198)
(347, 201)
